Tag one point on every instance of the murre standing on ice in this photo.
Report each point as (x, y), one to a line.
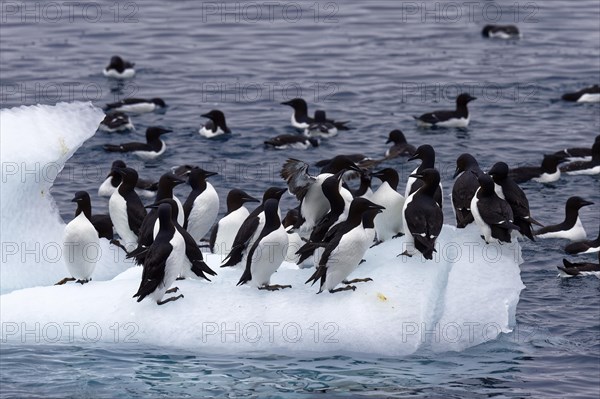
(547, 173)
(571, 228)
(584, 247)
(301, 120)
(464, 188)
(223, 233)
(145, 188)
(125, 207)
(426, 154)
(101, 222)
(79, 236)
(118, 68)
(338, 212)
(501, 32)
(193, 263)
(307, 189)
(457, 118)
(388, 224)
(423, 217)
(295, 141)
(510, 191)
(585, 167)
(116, 122)
(250, 229)
(586, 95)
(492, 214)
(268, 251)
(163, 262)
(137, 105)
(202, 204)
(215, 126)
(167, 182)
(152, 148)
(344, 251)
(400, 147)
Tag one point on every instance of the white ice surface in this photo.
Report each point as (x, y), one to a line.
(36, 141)
(466, 296)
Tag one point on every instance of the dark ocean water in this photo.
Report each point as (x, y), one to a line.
(375, 63)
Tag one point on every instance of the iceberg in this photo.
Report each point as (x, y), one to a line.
(36, 141)
(465, 296)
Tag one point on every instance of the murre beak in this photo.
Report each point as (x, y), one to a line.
(209, 174)
(250, 199)
(416, 176)
(457, 172)
(415, 156)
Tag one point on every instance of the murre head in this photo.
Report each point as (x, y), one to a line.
(464, 99)
(499, 171)
(486, 183)
(118, 164)
(129, 176)
(430, 177)
(164, 214)
(339, 163)
(169, 180)
(320, 116)
(465, 162)
(198, 176)
(388, 175)
(236, 198)
(396, 137)
(271, 209)
(298, 104)
(424, 152)
(154, 132)
(169, 201)
(360, 205)
(117, 63)
(273, 192)
(551, 162)
(218, 118)
(291, 218)
(596, 152)
(158, 102)
(576, 203)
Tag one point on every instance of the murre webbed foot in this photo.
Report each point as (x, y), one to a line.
(82, 282)
(64, 280)
(405, 253)
(362, 261)
(398, 235)
(180, 278)
(172, 290)
(274, 287)
(173, 298)
(346, 288)
(357, 280)
(376, 243)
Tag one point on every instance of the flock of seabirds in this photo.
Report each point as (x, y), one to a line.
(333, 225)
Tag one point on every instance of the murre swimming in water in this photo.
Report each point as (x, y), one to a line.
(586, 95)
(152, 148)
(215, 126)
(137, 105)
(584, 247)
(570, 269)
(345, 249)
(223, 233)
(507, 189)
(571, 228)
(501, 32)
(321, 126)
(591, 167)
(464, 188)
(268, 251)
(295, 141)
(457, 118)
(163, 262)
(301, 120)
(577, 153)
(400, 147)
(116, 122)
(548, 172)
(118, 68)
